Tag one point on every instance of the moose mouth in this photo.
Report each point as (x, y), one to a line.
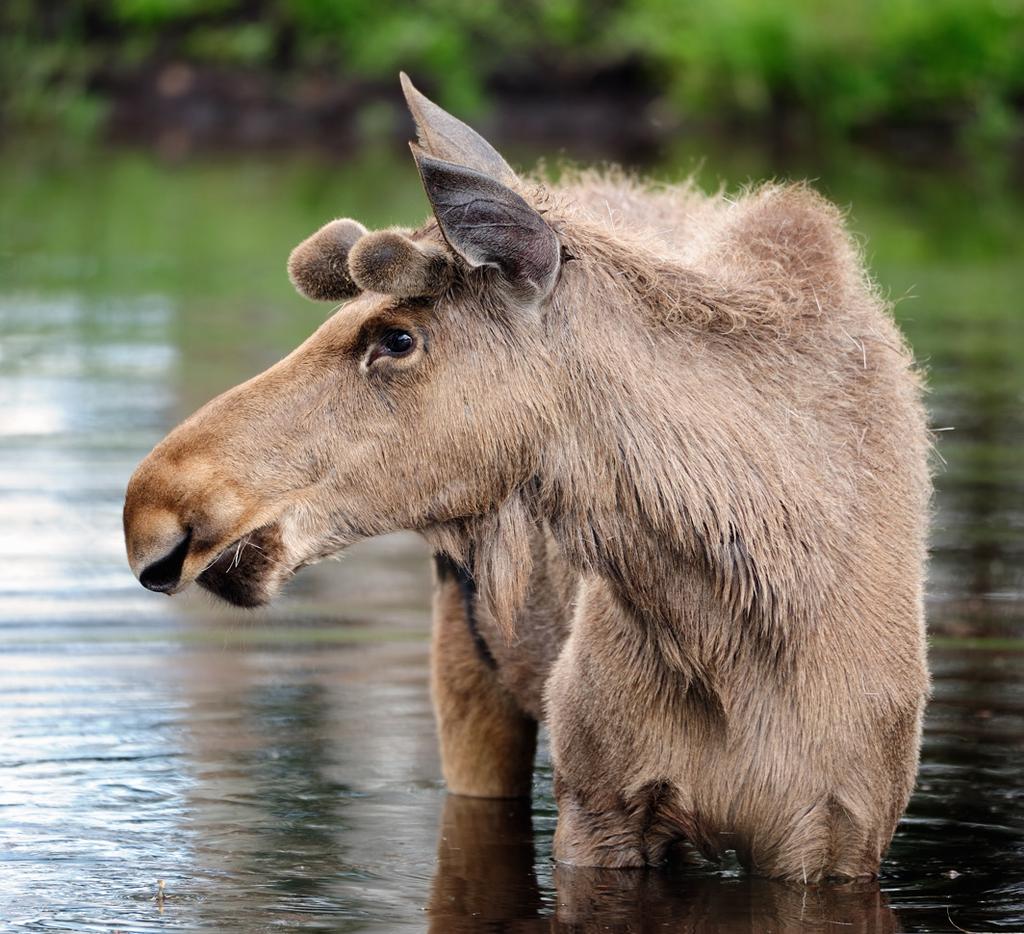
(250, 571)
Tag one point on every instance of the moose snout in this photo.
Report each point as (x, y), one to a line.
(179, 516)
(158, 543)
(164, 574)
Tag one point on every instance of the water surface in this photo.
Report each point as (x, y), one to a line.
(278, 770)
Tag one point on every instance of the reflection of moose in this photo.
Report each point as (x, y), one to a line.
(689, 419)
(485, 880)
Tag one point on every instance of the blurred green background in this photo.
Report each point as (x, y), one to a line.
(159, 159)
(953, 69)
(179, 148)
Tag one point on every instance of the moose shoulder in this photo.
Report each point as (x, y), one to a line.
(671, 454)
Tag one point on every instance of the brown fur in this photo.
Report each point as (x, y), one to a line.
(318, 267)
(487, 739)
(695, 413)
(389, 262)
(485, 879)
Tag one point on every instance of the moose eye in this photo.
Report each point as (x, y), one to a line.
(396, 343)
(393, 342)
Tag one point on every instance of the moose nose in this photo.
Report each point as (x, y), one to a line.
(164, 574)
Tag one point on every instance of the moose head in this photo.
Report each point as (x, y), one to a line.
(422, 404)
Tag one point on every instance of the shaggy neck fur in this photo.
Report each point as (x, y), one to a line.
(674, 469)
(686, 450)
(663, 460)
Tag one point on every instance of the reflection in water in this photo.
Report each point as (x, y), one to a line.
(280, 836)
(269, 791)
(485, 881)
(277, 786)
(667, 900)
(278, 770)
(485, 867)
(982, 549)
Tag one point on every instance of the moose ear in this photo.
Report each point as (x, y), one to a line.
(488, 224)
(443, 136)
(318, 267)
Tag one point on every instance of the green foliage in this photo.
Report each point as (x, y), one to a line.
(836, 65)
(456, 42)
(159, 12)
(244, 44)
(44, 74)
(844, 64)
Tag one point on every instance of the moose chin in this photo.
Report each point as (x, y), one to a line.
(670, 453)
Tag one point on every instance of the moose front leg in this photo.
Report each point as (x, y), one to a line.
(487, 742)
(622, 743)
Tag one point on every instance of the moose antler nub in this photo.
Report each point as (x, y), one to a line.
(318, 267)
(390, 262)
(341, 260)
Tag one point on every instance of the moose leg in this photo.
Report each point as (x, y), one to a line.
(625, 737)
(487, 741)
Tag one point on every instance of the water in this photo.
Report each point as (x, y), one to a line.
(278, 769)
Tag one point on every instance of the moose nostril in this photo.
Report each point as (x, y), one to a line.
(163, 575)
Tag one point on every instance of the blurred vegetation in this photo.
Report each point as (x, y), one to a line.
(846, 64)
(838, 67)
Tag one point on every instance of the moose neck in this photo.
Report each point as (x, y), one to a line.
(665, 472)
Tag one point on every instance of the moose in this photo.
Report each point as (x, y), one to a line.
(670, 453)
